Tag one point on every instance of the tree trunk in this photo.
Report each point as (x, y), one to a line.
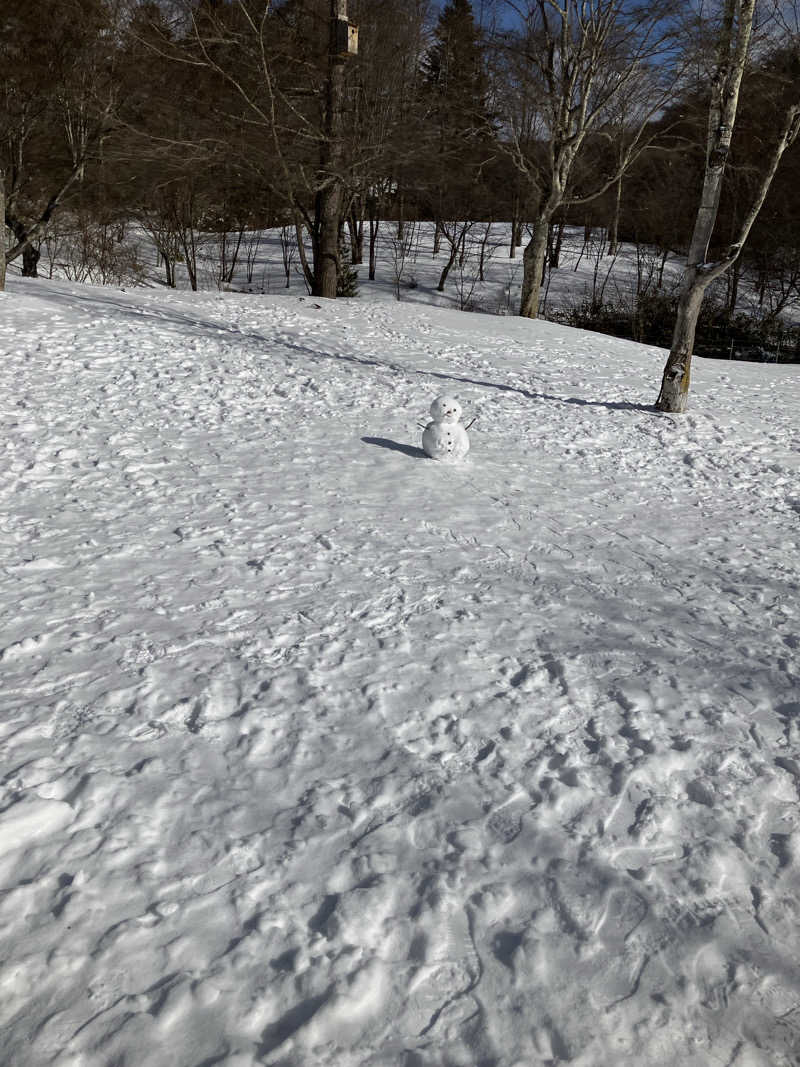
(374, 222)
(484, 243)
(30, 262)
(325, 241)
(763, 278)
(308, 273)
(674, 395)
(532, 268)
(169, 270)
(448, 266)
(329, 204)
(733, 288)
(555, 238)
(512, 244)
(661, 265)
(613, 229)
(2, 231)
(355, 225)
(732, 48)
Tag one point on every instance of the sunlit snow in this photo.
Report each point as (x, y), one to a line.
(318, 752)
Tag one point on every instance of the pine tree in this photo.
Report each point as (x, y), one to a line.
(459, 124)
(455, 73)
(346, 275)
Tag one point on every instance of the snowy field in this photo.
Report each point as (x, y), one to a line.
(318, 753)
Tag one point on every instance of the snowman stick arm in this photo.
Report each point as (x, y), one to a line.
(471, 423)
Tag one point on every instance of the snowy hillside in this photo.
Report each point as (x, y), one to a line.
(319, 752)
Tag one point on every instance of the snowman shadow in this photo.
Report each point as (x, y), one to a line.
(395, 446)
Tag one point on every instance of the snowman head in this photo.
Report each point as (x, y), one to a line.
(445, 409)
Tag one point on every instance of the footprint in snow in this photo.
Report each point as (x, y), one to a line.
(449, 969)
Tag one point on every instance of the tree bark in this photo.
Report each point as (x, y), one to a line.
(613, 229)
(2, 230)
(555, 238)
(374, 223)
(733, 289)
(515, 228)
(448, 266)
(674, 394)
(355, 225)
(533, 259)
(329, 200)
(325, 242)
(169, 270)
(308, 273)
(30, 261)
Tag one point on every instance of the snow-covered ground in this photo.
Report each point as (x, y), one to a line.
(318, 752)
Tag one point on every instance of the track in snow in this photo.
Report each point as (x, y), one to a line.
(325, 753)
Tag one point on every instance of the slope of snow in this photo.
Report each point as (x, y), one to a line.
(319, 752)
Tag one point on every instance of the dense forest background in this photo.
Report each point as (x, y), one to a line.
(205, 116)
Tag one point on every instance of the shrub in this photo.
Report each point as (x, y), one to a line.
(650, 318)
(347, 278)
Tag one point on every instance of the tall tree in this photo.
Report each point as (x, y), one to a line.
(454, 68)
(330, 206)
(574, 61)
(732, 49)
(385, 119)
(57, 91)
(455, 100)
(281, 68)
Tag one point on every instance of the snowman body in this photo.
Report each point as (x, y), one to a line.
(445, 438)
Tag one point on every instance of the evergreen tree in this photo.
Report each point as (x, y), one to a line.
(460, 143)
(346, 275)
(455, 74)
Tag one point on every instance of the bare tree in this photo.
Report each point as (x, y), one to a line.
(288, 240)
(157, 223)
(400, 248)
(732, 49)
(386, 117)
(283, 68)
(455, 233)
(57, 85)
(574, 61)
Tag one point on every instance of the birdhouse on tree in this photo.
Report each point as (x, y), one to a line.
(345, 38)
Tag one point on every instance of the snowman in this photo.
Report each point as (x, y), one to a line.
(445, 438)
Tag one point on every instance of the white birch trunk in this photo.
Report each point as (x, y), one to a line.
(674, 393)
(533, 268)
(732, 49)
(675, 383)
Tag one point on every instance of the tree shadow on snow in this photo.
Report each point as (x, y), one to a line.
(395, 446)
(171, 316)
